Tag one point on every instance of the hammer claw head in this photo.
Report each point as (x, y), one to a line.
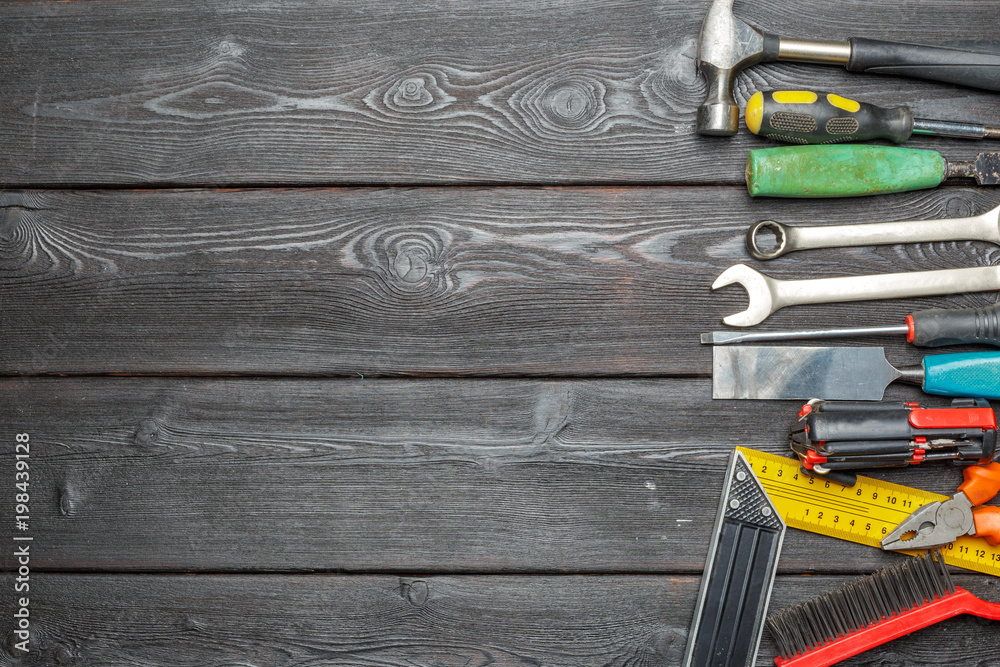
(725, 47)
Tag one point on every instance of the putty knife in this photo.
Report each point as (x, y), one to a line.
(848, 373)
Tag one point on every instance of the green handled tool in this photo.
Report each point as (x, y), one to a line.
(846, 373)
(927, 328)
(852, 170)
(812, 117)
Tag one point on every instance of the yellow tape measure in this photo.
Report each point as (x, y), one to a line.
(863, 513)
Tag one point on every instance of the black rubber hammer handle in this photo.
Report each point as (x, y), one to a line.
(968, 68)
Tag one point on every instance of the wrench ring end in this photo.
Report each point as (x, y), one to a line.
(780, 236)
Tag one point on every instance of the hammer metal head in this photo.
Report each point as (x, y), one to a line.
(726, 46)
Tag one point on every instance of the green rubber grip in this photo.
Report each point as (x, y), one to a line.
(841, 170)
(814, 117)
(969, 374)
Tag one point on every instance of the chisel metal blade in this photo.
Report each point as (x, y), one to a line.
(762, 372)
(988, 169)
(985, 168)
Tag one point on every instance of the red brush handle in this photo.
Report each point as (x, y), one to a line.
(959, 602)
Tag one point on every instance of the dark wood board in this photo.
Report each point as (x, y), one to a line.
(576, 621)
(362, 92)
(398, 281)
(167, 474)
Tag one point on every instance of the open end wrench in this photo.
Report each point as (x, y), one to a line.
(983, 227)
(768, 295)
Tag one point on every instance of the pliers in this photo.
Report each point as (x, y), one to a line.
(942, 522)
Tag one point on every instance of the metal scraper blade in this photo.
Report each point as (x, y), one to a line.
(768, 372)
(987, 169)
(739, 573)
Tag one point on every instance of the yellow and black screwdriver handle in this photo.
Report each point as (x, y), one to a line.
(810, 117)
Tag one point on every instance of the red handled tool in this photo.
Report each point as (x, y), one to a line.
(926, 328)
(942, 522)
(831, 437)
(871, 611)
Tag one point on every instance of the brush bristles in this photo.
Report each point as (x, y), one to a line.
(860, 603)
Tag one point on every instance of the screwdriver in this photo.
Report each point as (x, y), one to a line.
(926, 328)
(855, 170)
(808, 117)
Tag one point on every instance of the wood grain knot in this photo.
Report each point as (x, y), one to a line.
(415, 591)
(410, 261)
(147, 433)
(192, 624)
(668, 646)
(230, 49)
(69, 499)
(552, 413)
(575, 103)
(213, 99)
(959, 207)
(416, 259)
(412, 94)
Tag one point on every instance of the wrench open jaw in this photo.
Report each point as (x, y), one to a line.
(768, 295)
(758, 287)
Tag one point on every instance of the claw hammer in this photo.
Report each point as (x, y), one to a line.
(728, 45)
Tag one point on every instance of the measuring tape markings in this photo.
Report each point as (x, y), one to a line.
(863, 513)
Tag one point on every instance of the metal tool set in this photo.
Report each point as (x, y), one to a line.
(845, 426)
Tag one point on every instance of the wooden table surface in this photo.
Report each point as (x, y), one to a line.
(366, 333)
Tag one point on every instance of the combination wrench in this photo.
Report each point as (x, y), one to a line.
(768, 295)
(788, 238)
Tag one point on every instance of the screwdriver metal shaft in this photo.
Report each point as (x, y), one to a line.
(731, 337)
(945, 128)
(926, 328)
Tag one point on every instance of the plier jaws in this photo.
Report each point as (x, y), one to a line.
(943, 521)
(933, 525)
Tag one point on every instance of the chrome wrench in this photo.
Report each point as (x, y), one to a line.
(768, 295)
(788, 238)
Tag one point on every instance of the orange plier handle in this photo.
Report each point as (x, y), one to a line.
(981, 484)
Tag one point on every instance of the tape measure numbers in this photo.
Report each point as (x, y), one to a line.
(863, 513)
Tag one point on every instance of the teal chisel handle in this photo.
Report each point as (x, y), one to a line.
(969, 374)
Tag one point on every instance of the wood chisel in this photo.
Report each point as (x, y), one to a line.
(934, 327)
(813, 117)
(739, 572)
(847, 373)
(854, 170)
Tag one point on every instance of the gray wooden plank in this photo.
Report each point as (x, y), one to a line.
(307, 92)
(160, 474)
(134, 620)
(445, 281)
